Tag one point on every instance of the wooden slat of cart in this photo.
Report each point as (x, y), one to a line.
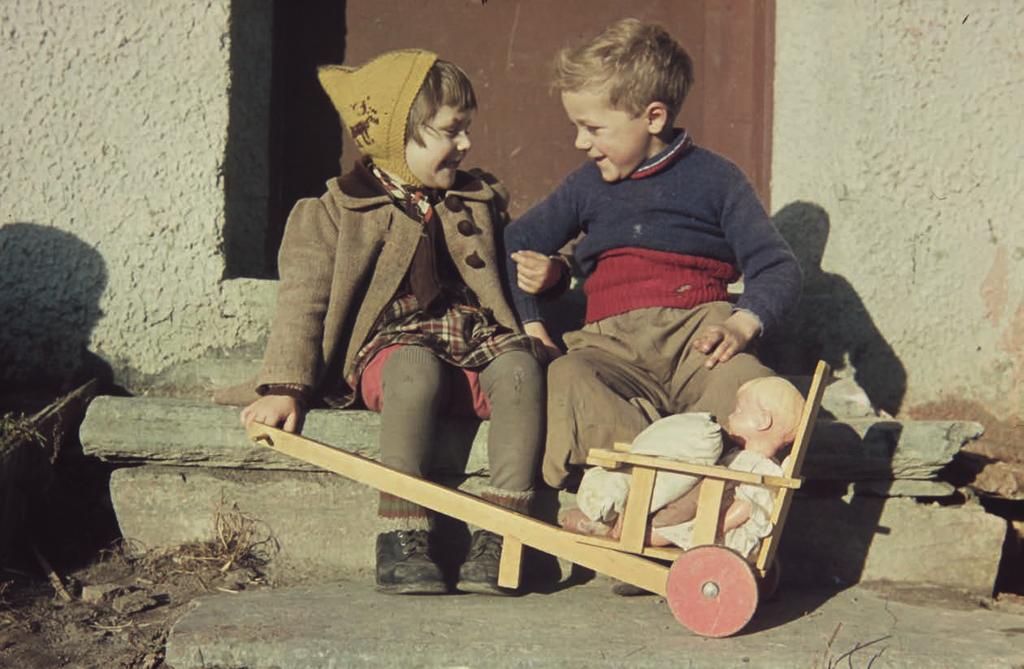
(792, 465)
(638, 507)
(605, 455)
(638, 571)
(668, 553)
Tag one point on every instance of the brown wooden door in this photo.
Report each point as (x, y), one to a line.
(506, 46)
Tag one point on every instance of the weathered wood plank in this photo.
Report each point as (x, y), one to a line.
(133, 430)
(183, 432)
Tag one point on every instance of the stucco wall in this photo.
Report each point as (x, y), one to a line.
(898, 146)
(132, 135)
(114, 159)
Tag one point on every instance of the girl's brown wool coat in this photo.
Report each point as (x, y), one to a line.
(342, 260)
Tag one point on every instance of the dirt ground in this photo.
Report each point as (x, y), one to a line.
(124, 607)
(121, 610)
(119, 601)
(104, 602)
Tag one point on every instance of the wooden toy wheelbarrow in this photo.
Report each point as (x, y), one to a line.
(710, 589)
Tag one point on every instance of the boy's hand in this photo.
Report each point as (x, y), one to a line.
(722, 342)
(276, 411)
(536, 272)
(538, 331)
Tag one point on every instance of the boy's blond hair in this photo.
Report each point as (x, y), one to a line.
(636, 63)
(445, 84)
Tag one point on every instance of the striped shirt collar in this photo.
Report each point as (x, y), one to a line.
(666, 157)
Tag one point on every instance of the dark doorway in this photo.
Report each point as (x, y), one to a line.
(305, 133)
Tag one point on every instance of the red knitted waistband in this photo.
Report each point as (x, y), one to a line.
(631, 278)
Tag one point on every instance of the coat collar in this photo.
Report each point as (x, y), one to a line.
(357, 189)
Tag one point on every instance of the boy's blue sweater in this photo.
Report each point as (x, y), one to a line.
(700, 205)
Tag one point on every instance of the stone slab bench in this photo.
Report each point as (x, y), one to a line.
(165, 431)
(181, 462)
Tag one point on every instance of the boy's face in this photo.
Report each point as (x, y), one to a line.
(614, 139)
(445, 144)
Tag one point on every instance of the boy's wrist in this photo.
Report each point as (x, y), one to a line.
(526, 306)
(746, 322)
(564, 276)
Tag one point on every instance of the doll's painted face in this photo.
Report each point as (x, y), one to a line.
(747, 419)
(445, 143)
(766, 416)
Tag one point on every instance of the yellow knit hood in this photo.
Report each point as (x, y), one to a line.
(374, 100)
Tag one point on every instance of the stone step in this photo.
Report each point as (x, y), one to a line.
(322, 524)
(325, 526)
(191, 433)
(191, 461)
(347, 624)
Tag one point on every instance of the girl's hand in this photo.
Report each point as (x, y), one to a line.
(539, 331)
(281, 411)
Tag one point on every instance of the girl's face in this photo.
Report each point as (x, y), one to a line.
(445, 144)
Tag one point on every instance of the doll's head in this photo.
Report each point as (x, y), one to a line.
(766, 416)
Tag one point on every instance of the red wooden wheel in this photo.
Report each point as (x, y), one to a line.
(712, 591)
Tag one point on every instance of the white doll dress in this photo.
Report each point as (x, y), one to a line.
(746, 537)
(689, 437)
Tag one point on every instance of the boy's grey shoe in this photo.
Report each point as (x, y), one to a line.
(404, 565)
(479, 573)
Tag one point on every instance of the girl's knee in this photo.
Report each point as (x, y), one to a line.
(413, 375)
(523, 366)
(516, 374)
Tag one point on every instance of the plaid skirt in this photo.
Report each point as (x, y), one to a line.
(460, 334)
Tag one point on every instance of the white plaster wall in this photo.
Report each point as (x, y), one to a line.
(904, 122)
(113, 130)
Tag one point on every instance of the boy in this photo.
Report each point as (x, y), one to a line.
(668, 225)
(392, 292)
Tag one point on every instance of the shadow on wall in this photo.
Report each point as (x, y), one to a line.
(831, 322)
(50, 286)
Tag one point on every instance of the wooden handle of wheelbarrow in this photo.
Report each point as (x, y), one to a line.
(522, 529)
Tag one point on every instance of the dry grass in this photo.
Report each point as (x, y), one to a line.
(6, 618)
(15, 427)
(830, 661)
(239, 541)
